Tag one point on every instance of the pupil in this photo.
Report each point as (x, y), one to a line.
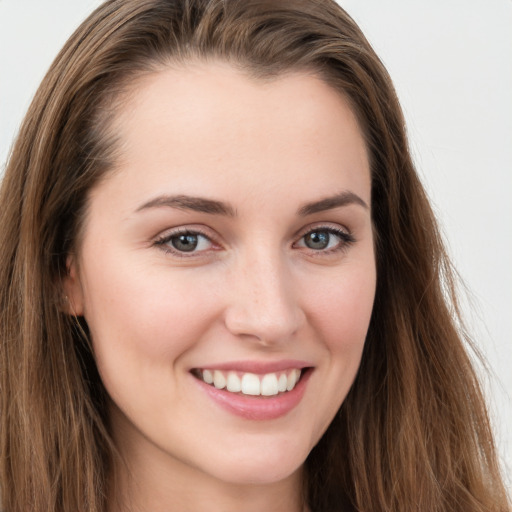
(317, 240)
(186, 242)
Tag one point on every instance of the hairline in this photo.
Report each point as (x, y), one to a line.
(128, 84)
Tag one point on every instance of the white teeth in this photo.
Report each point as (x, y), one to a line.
(233, 383)
(219, 381)
(282, 382)
(250, 384)
(293, 377)
(269, 384)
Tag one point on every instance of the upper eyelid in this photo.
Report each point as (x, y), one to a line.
(164, 236)
(334, 226)
(197, 229)
(345, 235)
(162, 243)
(170, 232)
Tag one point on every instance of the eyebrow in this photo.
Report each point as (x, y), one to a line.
(197, 204)
(214, 207)
(328, 203)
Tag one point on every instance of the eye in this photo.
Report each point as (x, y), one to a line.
(185, 241)
(326, 239)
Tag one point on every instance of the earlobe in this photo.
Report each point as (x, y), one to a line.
(73, 301)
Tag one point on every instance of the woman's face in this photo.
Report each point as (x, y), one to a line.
(233, 243)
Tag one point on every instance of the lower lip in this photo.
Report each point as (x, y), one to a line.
(257, 408)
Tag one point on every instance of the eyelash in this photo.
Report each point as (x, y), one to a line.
(164, 241)
(346, 239)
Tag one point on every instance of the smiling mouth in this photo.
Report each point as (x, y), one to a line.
(245, 383)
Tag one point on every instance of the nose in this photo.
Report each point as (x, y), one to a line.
(264, 303)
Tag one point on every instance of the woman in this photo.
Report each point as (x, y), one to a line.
(222, 286)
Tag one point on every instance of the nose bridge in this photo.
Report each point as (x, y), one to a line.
(264, 304)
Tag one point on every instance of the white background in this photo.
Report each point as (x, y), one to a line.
(451, 62)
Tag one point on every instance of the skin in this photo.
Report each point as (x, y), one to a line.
(253, 290)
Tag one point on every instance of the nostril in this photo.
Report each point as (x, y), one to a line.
(266, 328)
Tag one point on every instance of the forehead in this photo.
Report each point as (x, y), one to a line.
(214, 126)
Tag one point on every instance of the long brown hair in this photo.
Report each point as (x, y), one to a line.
(412, 434)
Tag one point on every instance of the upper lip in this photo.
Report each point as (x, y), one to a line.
(260, 367)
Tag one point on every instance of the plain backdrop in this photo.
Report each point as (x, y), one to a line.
(451, 62)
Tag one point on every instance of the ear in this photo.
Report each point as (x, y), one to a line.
(73, 303)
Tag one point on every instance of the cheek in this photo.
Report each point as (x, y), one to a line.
(139, 317)
(341, 310)
(339, 314)
(142, 328)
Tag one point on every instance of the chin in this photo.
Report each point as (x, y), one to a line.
(262, 467)
(261, 475)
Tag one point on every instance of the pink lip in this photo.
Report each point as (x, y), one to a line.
(257, 408)
(259, 367)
